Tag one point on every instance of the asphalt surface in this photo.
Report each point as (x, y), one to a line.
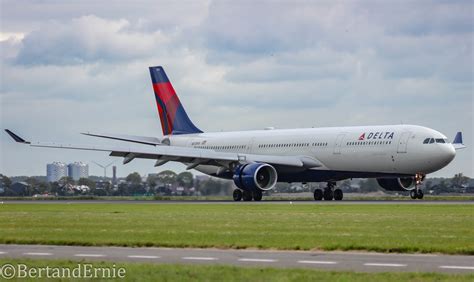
(263, 202)
(347, 261)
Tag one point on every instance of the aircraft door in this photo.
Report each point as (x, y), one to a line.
(337, 146)
(250, 145)
(403, 142)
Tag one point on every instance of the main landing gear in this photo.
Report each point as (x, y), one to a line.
(329, 193)
(417, 193)
(247, 195)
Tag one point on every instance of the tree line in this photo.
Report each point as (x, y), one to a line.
(185, 183)
(164, 183)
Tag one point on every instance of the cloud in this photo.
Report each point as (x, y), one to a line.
(309, 64)
(87, 39)
(147, 14)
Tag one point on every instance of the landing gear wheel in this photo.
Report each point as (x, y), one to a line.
(328, 194)
(413, 194)
(237, 195)
(419, 195)
(247, 196)
(257, 195)
(338, 195)
(318, 194)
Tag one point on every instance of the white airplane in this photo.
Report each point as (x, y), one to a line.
(398, 156)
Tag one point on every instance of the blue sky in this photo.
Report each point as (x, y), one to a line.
(75, 66)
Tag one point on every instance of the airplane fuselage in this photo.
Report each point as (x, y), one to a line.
(345, 152)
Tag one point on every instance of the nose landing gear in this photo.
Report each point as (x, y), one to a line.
(417, 193)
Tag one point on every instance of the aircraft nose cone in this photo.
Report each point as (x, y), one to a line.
(447, 154)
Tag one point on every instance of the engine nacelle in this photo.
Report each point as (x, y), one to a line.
(396, 184)
(250, 177)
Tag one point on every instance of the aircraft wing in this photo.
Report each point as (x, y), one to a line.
(191, 156)
(128, 138)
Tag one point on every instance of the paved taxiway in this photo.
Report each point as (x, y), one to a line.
(265, 202)
(350, 261)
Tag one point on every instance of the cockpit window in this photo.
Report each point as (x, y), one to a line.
(435, 140)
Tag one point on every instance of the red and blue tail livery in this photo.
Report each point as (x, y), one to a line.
(174, 120)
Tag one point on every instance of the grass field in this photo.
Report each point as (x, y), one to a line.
(173, 272)
(384, 228)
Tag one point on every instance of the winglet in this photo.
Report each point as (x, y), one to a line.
(458, 138)
(457, 142)
(16, 137)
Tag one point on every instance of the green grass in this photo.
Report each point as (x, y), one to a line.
(382, 228)
(174, 272)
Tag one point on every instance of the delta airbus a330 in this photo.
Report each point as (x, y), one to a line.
(398, 156)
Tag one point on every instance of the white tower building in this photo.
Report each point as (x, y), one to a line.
(78, 170)
(56, 171)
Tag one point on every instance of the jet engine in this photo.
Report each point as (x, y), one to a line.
(396, 184)
(253, 176)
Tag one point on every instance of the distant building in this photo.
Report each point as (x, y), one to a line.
(114, 175)
(56, 171)
(2, 185)
(78, 170)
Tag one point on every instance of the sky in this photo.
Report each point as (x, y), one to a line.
(76, 66)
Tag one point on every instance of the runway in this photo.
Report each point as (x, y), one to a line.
(231, 202)
(346, 261)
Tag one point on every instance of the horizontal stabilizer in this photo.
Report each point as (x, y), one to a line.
(458, 146)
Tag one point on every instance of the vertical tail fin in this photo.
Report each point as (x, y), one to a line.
(174, 119)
